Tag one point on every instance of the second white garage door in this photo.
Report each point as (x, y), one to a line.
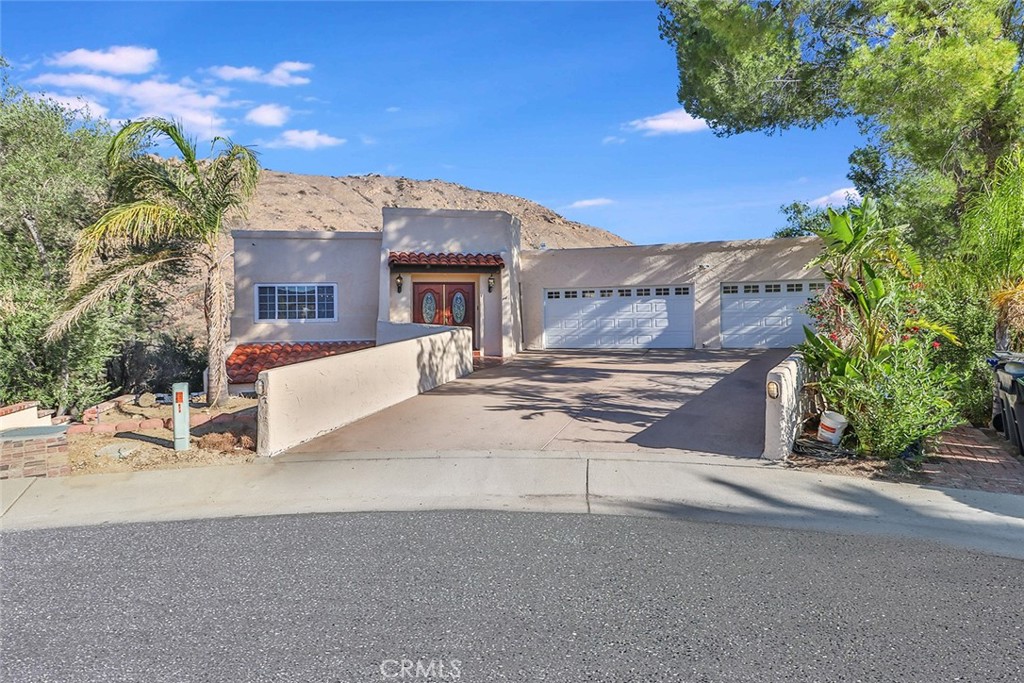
(765, 314)
(619, 317)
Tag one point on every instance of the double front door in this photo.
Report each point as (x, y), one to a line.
(445, 303)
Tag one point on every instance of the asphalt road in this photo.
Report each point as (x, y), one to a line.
(483, 596)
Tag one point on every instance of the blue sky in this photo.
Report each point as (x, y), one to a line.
(569, 104)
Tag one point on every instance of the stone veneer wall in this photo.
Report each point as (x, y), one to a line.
(31, 455)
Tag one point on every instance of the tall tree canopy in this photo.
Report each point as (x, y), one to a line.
(937, 83)
(52, 184)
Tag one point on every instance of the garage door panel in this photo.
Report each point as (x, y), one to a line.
(619, 322)
(764, 318)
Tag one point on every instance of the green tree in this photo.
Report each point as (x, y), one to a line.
(169, 214)
(52, 184)
(936, 84)
(802, 220)
(991, 248)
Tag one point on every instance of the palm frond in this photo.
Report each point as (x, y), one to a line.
(136, 137)
(1009, 304)
(135, 224)
(104, 284)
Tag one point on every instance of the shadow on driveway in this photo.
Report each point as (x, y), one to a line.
(727, 418)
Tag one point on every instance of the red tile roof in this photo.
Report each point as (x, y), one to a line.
(409, 258)
(247, 360)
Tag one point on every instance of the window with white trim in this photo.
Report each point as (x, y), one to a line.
(730, 289)
(296, 301)
(643, 291)
(816, 287)
(795, 287)
(682, 291)
(588, 294)
(554, 295)
(571, 294)
(751, 289)
(773, 288)
(661, 291)
(606, 293)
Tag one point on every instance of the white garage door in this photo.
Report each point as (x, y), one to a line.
(619, 317)
(765, 314)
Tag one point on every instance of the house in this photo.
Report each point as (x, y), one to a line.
(302, 295)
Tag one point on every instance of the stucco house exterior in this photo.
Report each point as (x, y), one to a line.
(302, 295)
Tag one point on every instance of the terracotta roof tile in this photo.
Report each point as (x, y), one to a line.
(247, 360)
(409, 258)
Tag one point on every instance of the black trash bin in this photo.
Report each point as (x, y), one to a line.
(1008, 371)
(1018, 414)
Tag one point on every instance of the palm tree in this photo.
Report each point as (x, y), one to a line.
(992, 246)
(168, 212)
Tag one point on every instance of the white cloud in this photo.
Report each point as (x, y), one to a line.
(118, 59)
(102, 84)
(612, 140)
(667, 123)
(392, 110)
(93, 107)
(268, 115)
(587, 203)
(198, 111)
(840, 197)
(282, 74)
(305, 139)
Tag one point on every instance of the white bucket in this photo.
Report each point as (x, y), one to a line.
(831, 428)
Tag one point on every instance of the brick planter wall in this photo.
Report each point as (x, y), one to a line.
(29, 453)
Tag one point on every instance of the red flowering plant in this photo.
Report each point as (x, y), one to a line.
(871, 350)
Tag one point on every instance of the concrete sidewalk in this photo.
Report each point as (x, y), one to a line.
(690, 485)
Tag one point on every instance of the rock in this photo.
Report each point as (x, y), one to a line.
(146, 400)
(152, 423)
(116, 450)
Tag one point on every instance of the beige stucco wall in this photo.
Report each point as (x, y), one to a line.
(302, 401)
(469, 232)
(703, 265)
(350, 260)
(783, 415)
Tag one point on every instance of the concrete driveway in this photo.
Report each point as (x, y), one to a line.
(628, 401)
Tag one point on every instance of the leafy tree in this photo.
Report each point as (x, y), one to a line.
(168, 213)
(991, 249)
(802, 220)
(52, 183)
(936, 84)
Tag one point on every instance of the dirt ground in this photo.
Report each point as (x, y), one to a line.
(883, 470)
(214, 443)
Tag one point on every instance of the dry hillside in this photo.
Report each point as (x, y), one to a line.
(289, 201)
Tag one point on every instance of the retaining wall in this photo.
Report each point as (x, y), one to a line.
(300, 402)
(34, 452)
(784, 413)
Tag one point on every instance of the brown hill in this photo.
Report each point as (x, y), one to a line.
(289, 201)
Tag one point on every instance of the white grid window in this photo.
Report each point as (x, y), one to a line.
(607, 293)
(554, 295)
(751, 289)
(795, 287)
(730, 289)
(588, 294)
(296, 302)
(816, 287)
(571, 294)
(625, 292)
(682, 291)
(661, 291)
(643, 291)
(772, 289)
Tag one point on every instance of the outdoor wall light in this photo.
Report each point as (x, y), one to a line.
(490, 283)
(773, 389)
(398, 283)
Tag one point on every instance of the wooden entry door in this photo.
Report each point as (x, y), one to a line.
(445, 303)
